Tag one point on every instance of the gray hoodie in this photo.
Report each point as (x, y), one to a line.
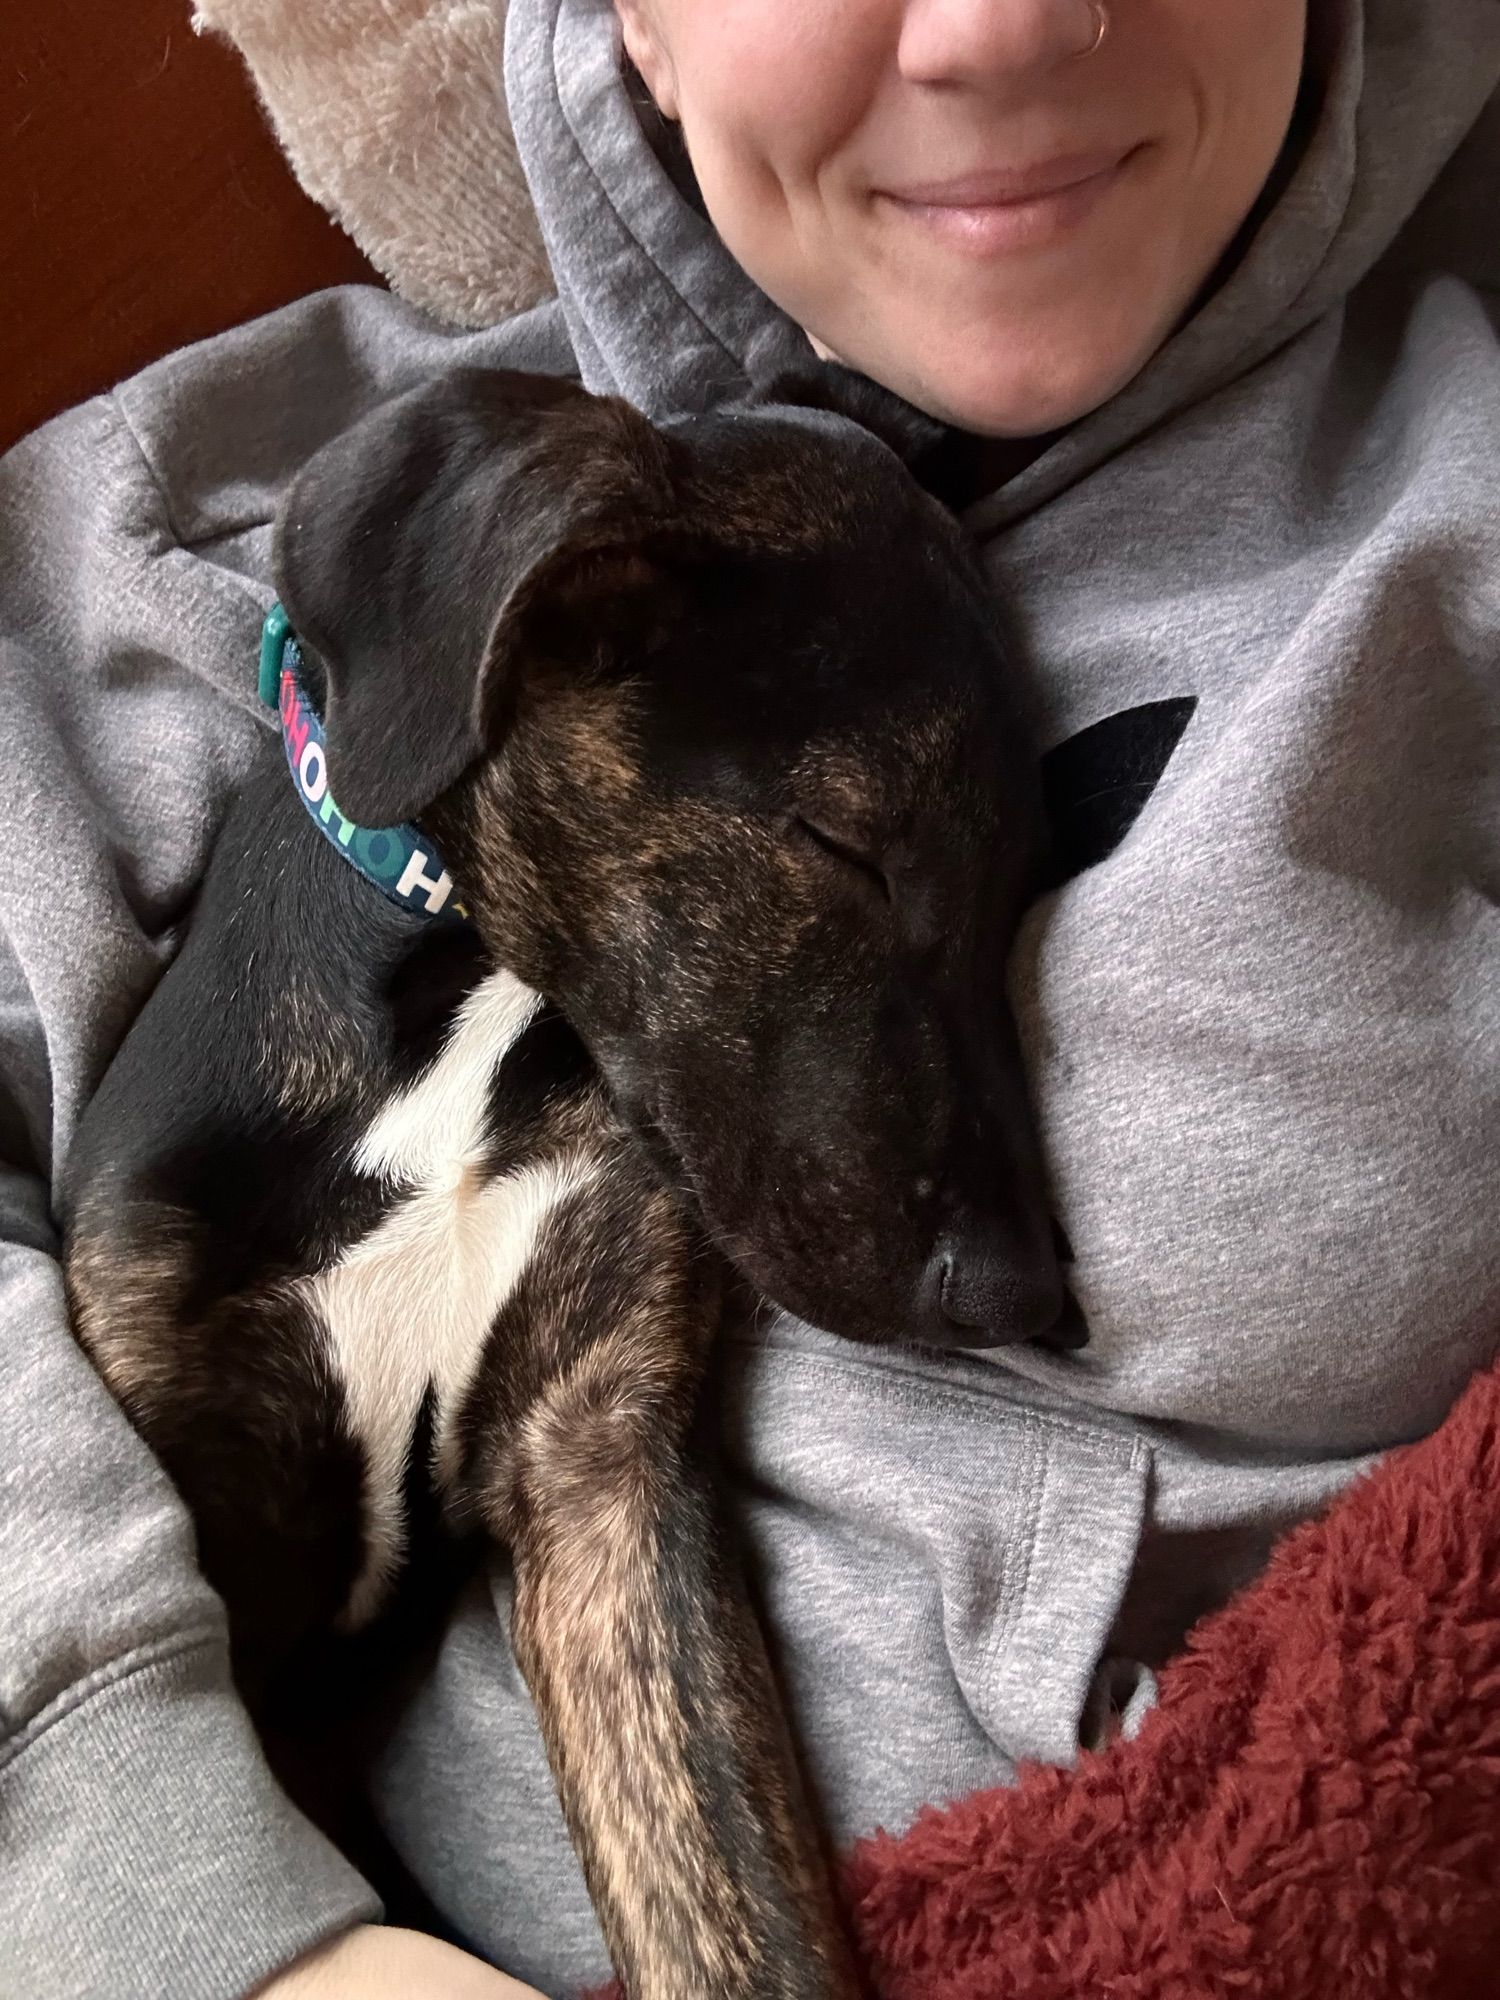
(1264, 1031)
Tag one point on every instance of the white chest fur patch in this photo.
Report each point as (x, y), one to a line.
(411, 1303)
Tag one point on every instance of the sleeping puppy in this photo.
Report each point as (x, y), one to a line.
(704, 726)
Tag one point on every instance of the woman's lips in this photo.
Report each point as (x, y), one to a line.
(988, 213)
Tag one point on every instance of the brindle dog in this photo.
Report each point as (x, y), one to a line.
(709, 722)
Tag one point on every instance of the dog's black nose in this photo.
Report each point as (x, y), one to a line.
(985, 1287)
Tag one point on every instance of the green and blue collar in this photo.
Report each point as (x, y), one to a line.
(401, 861)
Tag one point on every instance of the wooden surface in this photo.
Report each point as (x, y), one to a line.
(143, 201)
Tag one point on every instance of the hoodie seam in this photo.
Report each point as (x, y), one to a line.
(117, 404)
(258, 517)
(103, 1680)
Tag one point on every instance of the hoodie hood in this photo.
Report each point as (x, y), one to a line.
(659, 312)
(1252, 609)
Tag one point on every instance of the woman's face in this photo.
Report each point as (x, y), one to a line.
(966, 199)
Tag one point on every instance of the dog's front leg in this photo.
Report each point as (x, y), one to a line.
(661, 1718)
(651, 1683)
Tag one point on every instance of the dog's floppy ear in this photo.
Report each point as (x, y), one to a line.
(407, 551)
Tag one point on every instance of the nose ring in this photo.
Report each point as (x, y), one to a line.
(1101, 29)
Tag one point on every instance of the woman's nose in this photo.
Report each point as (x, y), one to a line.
(979, 43)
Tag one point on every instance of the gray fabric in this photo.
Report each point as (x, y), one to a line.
(1263, 1034)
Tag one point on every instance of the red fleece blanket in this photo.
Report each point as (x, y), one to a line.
(1312, 1812)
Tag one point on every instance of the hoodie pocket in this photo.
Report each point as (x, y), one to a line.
(940, 1563)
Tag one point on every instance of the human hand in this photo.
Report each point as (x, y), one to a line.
(375, 1962)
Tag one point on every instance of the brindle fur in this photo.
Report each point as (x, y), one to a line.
(616, 670)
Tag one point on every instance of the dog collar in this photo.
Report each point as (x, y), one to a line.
(401, 861)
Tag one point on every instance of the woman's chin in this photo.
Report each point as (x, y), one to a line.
(1021, 388)
(1003, 374)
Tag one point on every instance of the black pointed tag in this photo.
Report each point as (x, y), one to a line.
(1095, 784)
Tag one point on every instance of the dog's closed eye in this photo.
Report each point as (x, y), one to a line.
(854, 861)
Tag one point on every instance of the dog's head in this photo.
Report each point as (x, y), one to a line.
(710, 722)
